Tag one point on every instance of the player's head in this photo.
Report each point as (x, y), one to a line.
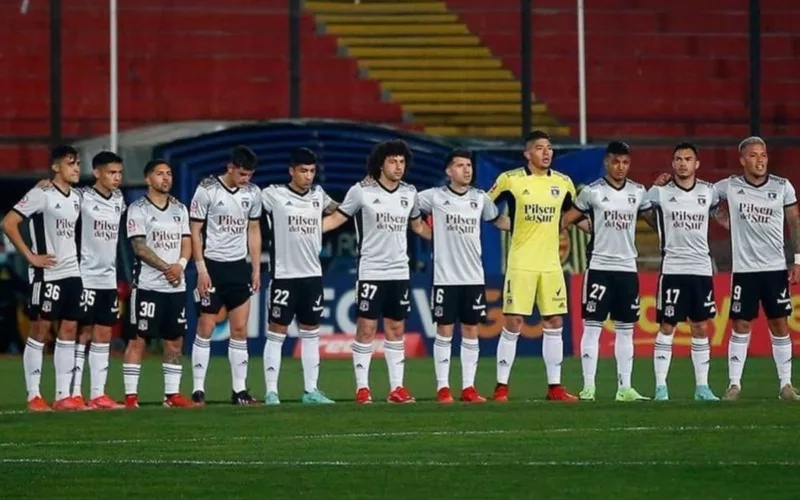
(390, 158)
(617, 160)
(685, 160)
(107, 169)
(158, 176)
(459, 167)
(539, 150)
(65, 164)
(242, 165)
(753, 156)
(303, 168)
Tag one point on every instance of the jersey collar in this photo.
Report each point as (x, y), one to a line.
(231, 191)
(164, 209)
(101, 194)
(615, 188)
(390, 191)
(686, 190)
(456, 192)
(529, 172)
(63, 193)
(298, 193)
(757, 186)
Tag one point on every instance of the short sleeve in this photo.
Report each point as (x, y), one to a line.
(199, 205)
(721, 187)
(500, 186)
(789, 195)
(255, 205)
(352, 201)
(267, 199)
(185, 231)
(415, 214)
(653, 196)
(583, 201)
(34, 202)
(714, 198)
(136, 221)
(425, 201)
(490, 211)
(326, 200)
(645, 204)
(569, 198)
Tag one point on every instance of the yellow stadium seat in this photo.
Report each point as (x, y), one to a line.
(470, 108)
(431, 63)
(417, 52)
(396, 29)
(388, 18)
(411, 41)
(377, 8)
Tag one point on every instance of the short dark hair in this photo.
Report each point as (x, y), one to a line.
(385, 149)
(617, 148)
(536, 135)
(457, 153)
(152, 164)
(104, 158)
(686, 145)
(303, 156)
(61, 152)
(244, 157)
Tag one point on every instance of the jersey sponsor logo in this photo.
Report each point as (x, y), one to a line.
(755, 214)
(389, 222)
(231, 224)
(681, 219)
(302, 224)
(165, 240)
(462, 225)
(65, 228)
(621, 221)
(538, 213)
(105, 230)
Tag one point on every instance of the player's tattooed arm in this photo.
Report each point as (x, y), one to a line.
(503, 223)
(143, 252)
(420, 228)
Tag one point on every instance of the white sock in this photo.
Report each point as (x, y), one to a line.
(590, 347)
(98, 369)
(172, 378)
(782, 354)
(701, 359)
(395, 353)
(238, 358)
(662, 357)
(130, 375)
(441, 360)
(309, 357)
(553, 354)
(506, 352)
(470, 352)
(623, 352)
(32, 364)
(737, 355)
(362, 356)
(77, 373)
(272, 360)
(64, 362)
(201, 355)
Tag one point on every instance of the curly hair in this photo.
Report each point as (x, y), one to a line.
(385, 149)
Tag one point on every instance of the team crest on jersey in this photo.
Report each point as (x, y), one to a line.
(76, 206)
(246, 203)
(403, 202)
(142, 325)
(701, 200)
(772, 195)
(555, 191)
(316, 204)
(117, 208)
(632, 199)
(176, 218)
(473, 205)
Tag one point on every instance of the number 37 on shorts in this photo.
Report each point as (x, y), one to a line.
(524, 289)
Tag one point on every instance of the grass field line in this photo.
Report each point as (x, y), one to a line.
(398, 434)
(400, 463)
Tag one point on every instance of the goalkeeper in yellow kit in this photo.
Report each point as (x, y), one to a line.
(536, 197)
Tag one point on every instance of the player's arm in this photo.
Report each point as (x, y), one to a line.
(198, 212)
(348, 208)
(574, 209)
(420, 228)
(792, 215)
(329, 204)
(147, 255)
(719, 211)
(650, 201)
(33, 202)
(502, 222)
(254, 241)
(174, 272)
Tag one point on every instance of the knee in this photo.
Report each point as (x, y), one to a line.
(239, 332)
(778, 327)
(206, 325)
(366, 329)
(699, 330)
(741, 326)
(68, 330)
(667, 329)
(135, 346)
(469, 331)
(553, 322)
(394, 329)
(513, 323)
(279, 329)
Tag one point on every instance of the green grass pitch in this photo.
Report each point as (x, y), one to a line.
(527, 448)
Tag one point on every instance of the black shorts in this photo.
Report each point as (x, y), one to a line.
(100, 307)
(157, 315)
(463, 303)
(769, 288)
(383, 299)
(682, 296)
(299, 298)
(56, 300)
(612, 294)
(231, 286)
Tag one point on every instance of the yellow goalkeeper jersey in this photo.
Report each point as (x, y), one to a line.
(535, 203)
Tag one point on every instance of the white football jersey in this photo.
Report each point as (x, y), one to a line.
(613, 213)
(100, 223)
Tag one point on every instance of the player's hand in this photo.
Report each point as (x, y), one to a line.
(255, 280)
(203, 284)
(662, 179)
(174, 274)
(794, 274)
(42, 261)
(44, 183)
